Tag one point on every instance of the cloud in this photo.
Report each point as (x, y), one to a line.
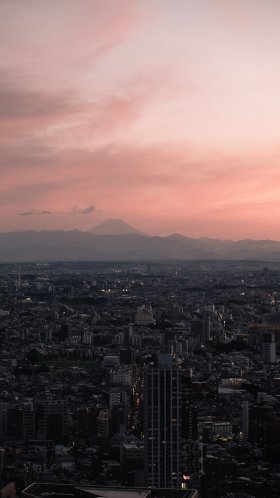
(35, 124)
(74, 211)
(24, 110)
(26, 213)
(20, 103)
(59, 44)
(45, 212)
(86, 210)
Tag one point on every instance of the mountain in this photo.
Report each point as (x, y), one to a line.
(114, 227)
(74, 245)
(177, 236)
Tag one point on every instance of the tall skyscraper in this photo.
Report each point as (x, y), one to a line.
(269, 348)
(189, 411)
(245, 418)
(163, 423)
(21, 421)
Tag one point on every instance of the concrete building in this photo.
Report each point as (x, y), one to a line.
(162, 424)
(51, 419)
(245, 419)
(103, 424)
(268, 348)
(144, 315)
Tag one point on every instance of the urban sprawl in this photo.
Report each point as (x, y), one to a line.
(140, 379)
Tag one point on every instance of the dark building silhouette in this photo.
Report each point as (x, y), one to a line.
(163, 423)
(264, 426)
(86, 422)
(127, 356)
(51, 419)
(21, 422)
(189, 412)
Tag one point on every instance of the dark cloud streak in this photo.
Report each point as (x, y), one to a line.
(18, 102)
(72, 212)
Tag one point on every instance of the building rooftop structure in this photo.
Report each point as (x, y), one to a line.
(51, 490)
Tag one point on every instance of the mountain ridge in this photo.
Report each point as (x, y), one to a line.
(74, 245)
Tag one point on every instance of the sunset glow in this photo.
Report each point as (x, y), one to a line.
(165, 114)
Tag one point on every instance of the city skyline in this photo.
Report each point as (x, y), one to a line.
(164, 114)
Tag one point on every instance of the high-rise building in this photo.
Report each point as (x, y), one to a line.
(268, 348)
(163, 423)
(245, 419)
(103, 423)
(3, 420)
(144, 315)
(2, 460)
(119, 419)
(14, 422)
(128, 334)
(127, 356)
(85, 422)
(194, 455)
(21, 421)
(51, 419)
(201, 329)
(189, 412)
(258, 424)
(118, 396)
(264, 426)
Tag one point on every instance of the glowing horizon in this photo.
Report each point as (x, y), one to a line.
(163, 114)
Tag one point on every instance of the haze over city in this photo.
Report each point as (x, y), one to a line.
(162, 113)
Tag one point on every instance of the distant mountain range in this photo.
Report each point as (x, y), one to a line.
(115, 240)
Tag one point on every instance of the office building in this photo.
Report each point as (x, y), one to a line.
(245, 419)
(144, 315)
(268, 348)
(163, 423)
(51, 419)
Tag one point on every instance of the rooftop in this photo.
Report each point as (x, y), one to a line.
(54, 490)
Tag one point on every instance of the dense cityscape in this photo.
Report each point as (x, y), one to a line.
(139, 249)
(159, 378)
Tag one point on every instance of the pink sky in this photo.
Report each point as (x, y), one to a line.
(165, 113)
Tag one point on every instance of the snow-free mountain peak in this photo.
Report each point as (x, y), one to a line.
(114, 227)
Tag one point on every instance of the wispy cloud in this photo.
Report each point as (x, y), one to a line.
(26, 213)
(86, 210)
(71, 212)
